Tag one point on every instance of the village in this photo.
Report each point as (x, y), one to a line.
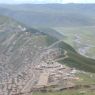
(45, 74)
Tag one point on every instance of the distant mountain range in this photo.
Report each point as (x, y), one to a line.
(52, 15)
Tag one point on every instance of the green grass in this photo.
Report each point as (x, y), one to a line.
(50, 40)
(86, 34)
(85, 78)
(67, 92)
(76, 60)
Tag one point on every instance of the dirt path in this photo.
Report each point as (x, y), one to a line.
(62, 58)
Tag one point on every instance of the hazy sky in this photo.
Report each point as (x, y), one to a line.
(47, 1)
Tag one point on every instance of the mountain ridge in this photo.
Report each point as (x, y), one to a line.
(52, 14)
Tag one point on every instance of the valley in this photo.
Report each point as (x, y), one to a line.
(47, 49)
(80, 38)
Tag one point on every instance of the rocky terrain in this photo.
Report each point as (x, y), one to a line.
(19, 48)
(31, 60)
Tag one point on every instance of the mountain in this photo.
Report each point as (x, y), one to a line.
(40, 43)
(18, 45)
(74, 59)
(52, 15)
(24, 49)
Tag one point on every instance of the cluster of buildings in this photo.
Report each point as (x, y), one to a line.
(56, 75)
(45, 76)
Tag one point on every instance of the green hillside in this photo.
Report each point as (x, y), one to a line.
(67, 92)
(80, 38)
(76, 60)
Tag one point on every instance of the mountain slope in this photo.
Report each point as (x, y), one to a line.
(18, 45)
(76, 60)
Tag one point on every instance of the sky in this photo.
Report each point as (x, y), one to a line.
(46, 1)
